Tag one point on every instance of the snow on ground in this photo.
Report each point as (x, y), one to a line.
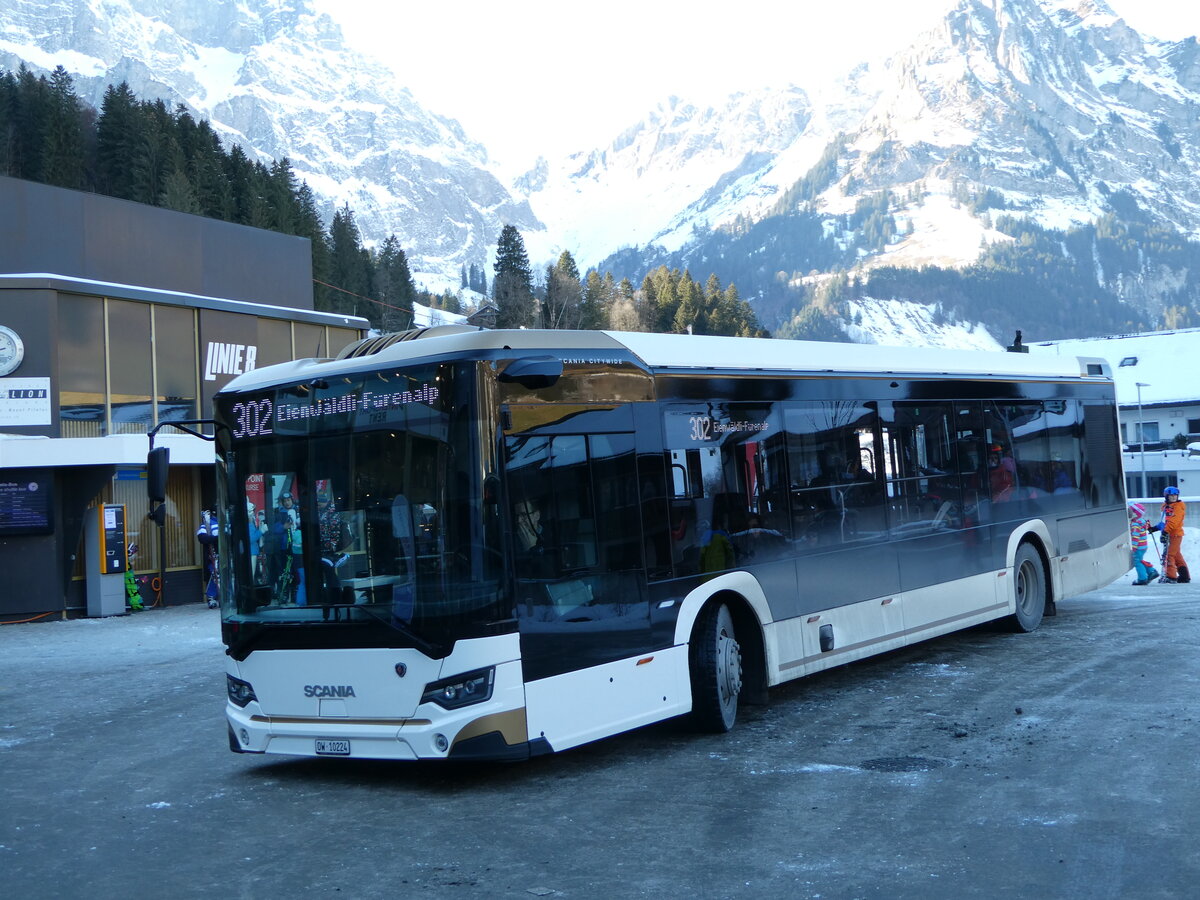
(143, 638)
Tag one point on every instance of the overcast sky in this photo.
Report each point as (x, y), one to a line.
(583, 71)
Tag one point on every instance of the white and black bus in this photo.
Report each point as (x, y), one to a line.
(458, 543)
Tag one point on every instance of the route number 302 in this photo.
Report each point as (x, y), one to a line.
(252, 418)
(702, 428)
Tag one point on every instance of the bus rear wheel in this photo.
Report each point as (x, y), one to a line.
(716, 669)
(1030, 586)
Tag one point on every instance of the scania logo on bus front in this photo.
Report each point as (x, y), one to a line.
(329, 690)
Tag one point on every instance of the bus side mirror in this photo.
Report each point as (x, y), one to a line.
(157, 463)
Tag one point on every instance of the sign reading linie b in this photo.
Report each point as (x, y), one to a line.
(228, 359)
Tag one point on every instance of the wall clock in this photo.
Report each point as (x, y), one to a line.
(12, 350)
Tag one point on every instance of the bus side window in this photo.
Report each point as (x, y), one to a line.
(833, 475)
(653, 497)
(924, 484)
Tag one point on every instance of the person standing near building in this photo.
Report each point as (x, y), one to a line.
(206, 534)
(1139, 527)
(1171, 525)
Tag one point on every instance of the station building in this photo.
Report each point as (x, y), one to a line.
(116, 317)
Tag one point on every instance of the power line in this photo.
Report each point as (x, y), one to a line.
(334, 287)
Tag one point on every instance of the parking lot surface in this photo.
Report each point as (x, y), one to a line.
(1058, 764)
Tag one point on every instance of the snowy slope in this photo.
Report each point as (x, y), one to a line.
(899, 324)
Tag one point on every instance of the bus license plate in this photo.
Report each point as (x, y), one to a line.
(332, 748)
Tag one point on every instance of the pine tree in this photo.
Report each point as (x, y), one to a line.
(308, 225)
(238, 172)
(206, 167)
(281, 197)
(394, 286)
(32, 119)
(512, 284)
(9, 99)
(563, 294)
(62, 159)
(117, 132)
(155, 152)
(593, 307)
(177, 193)
(350, 269)
(689, 314)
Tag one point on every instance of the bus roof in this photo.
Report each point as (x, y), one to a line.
(684, 353)
(681, 351)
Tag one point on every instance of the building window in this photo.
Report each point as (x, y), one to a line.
(81, 376)
(309, 341)
(175, 364)
(1128, 361)
(274, 342)
(129, 367)
(340, 338)
(1156, 483)
(1148, 432)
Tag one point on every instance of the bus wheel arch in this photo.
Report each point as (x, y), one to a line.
(726, 661)
(1032, 591)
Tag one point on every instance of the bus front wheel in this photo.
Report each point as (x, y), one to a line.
(1029, 583)
(716, 669)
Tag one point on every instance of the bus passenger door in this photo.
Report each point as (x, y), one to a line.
(576, 533)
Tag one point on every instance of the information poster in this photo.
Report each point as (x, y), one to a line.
(26, 502)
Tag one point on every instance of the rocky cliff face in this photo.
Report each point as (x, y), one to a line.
(1056, 107)
(276, 78)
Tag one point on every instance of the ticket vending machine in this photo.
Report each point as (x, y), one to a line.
(104, 535)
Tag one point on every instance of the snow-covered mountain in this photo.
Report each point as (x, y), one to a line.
(1052, 106)
(684, 167)
(1053, 110)
(277, 78)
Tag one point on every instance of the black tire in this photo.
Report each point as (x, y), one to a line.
(716, 670)
(1029, 584)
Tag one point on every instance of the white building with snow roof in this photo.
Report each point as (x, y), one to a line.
(1157, 378)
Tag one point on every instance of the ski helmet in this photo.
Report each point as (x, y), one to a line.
(1171, 492)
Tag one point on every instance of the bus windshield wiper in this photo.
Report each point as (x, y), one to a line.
(239, 648)
(426, 646)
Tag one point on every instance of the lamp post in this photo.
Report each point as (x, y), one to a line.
(1142, 436)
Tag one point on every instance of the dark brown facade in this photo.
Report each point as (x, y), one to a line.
(111, 305)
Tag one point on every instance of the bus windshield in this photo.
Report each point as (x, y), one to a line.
(360, 505)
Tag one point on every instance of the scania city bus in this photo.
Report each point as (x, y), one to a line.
(460, 543)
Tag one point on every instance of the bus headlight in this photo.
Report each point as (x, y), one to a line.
(240, 692)
(460, 690)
